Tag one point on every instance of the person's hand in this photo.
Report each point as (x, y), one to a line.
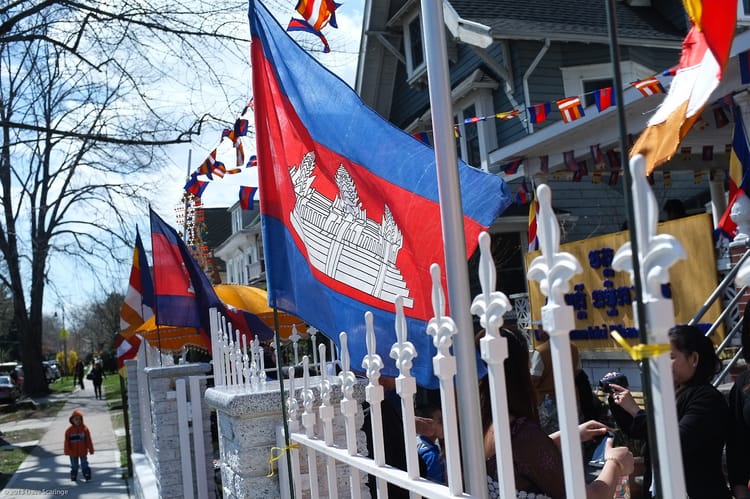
(592, 429)
(620, 456)
(622, 397)
(429, 428)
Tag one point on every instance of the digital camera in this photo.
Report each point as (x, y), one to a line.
(613, 378)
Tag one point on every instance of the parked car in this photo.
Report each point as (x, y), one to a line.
(8, 390)
(18, 375)
(51, 370)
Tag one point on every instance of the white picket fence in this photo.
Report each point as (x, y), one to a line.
(311, 431)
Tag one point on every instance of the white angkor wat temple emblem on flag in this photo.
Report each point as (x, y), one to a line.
(341, 241)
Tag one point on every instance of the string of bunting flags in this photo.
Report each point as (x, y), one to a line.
(606, 166)
(212, 167)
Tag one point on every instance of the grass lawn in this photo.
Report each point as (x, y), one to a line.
(112, 394)
(62, 385)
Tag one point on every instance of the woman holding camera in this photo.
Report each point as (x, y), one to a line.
(701, 410)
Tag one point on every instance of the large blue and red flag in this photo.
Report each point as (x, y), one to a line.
(183, 294)
(351, 215)
(739, 174)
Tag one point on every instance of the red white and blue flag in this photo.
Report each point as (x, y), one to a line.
(739, 174)
(351, 215)
(247, 197)
(538, 112)
(183, 294)
(604, 98)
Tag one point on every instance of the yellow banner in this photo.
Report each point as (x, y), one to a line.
(603, 299)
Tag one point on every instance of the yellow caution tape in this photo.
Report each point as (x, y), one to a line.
(641, 351)
(276, 453)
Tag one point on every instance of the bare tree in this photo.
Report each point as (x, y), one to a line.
(90, 94)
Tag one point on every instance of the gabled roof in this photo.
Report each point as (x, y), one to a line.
(572, 20)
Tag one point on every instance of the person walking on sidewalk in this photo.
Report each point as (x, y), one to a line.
(78, 445)
(97, 375)
(78, 373)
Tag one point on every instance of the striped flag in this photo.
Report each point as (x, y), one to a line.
(570, 108)
(533, 238)
(318, 13)
(195, 186)
(126, 349)
(705, 52)
(302, 25)
(649, 86)
(739, 174)
(138, 306)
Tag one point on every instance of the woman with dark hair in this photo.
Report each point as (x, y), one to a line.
(738, 439)
(702, 413)
(537, 461)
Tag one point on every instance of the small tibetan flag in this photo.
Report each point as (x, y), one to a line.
(698, 177)
(720, 116)
(708, 153)
(302, 25)
(522, 195)
(508, 115)
(538, 112)
(195, 186)
(570, 108)
(512, 167)
(474, 119)
(583, 167)
(613, 177)
(667, 178)
(569, 158)
(744, 58)
(604, 98)
(649, 86)
(596, 177)
(544, 164)
(614, 159)
(596, 154)
(247, 196)
(423, 137)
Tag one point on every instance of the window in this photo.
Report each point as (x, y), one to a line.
(415, 64)
(578, 80)
(237, 220)
(476, 140)
(743, 12)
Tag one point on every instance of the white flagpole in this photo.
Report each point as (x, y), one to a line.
(457, 274)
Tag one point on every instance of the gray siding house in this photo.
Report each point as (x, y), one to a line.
(507, 55)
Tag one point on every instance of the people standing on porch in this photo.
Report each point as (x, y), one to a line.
(537, 460)
(702, 413)
(543, 380)
(738, 439)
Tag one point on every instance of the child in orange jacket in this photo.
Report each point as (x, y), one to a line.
(78, 445)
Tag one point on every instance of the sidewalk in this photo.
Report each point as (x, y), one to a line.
(46, 471)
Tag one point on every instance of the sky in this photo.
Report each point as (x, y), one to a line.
(342, 60)
(72, 288)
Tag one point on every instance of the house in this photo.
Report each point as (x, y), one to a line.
(510, 59)
(242, 250)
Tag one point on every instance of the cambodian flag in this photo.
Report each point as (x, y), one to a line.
(183, 294)
(351, 215)
(538, 112)
(604, 98)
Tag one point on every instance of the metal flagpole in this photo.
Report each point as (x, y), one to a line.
(456, 269)
(641, 318)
